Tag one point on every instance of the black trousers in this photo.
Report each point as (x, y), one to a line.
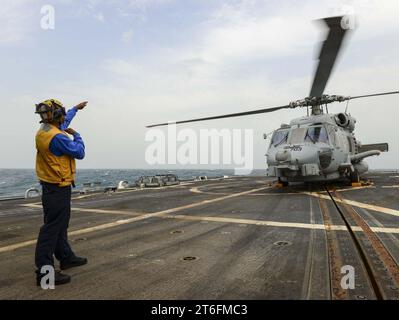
(53, 236)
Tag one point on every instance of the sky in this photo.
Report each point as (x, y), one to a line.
(140, 62)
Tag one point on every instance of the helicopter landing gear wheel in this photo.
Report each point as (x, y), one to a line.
(282, 183)
(355, 178)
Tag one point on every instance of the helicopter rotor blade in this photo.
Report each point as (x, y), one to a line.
(328, 55)
(374, 95)
(239, 114)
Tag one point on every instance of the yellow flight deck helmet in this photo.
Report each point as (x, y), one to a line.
(50, 110)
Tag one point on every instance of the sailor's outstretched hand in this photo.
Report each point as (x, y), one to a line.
(81, 105)
(70, 131)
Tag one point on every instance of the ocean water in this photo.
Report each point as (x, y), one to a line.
(14, 182)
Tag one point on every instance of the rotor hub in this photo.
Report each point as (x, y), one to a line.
(317, 101)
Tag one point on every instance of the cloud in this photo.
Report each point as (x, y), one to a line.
(99, 16)
(230, 57)
(144, 4)
(137, 8)
(127, 36)
(121, 67)
(241, 59)
(16, 21)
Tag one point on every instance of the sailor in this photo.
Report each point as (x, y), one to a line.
(55, 169)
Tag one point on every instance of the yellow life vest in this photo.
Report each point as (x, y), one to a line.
(49, 167)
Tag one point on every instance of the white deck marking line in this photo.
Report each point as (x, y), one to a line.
(278, 224)
(354, 188)
(121, 212)
(32, 205)
(277, 194)
(17, 246)
(211, 219)
(254, 222)
(392, 212)
(213, 186)
(82, 196)
(393, 186)
(130, 220)
(117, 192)
(197, 190)
(134, 190)
(106, 211)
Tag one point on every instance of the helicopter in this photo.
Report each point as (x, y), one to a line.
(320, 146)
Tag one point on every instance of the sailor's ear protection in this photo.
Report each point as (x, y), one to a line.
(58, 113)
(58, 109)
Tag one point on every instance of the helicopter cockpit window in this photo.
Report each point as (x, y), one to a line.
(279, 137)
(316, 134)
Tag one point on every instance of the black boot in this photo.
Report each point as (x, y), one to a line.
(74, 262)
(59, 278)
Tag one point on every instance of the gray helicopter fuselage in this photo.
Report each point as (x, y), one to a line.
(315, 148)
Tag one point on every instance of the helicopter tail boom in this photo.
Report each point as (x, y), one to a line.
(383, 147)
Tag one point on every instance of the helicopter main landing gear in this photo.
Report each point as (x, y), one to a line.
(355, 179)
(281, 184)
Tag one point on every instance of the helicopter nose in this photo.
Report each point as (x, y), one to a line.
(283, 155)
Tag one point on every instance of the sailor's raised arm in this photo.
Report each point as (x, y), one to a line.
(71, 114)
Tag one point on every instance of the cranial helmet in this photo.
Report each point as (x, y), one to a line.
(50, 110)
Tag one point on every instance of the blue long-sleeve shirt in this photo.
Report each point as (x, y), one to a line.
(61, 144)
(68, 118)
